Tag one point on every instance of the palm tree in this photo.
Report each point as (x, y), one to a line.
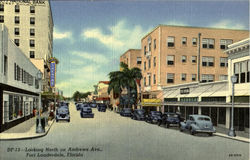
(126, 78)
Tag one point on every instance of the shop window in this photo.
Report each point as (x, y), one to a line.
(170, 99)
(10, 107)
(170, 42)
(205, 111)
(170, 78)
(6, 111)
(170, 60)
(208, 43)
(222, 115)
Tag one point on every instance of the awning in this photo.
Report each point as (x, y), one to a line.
(215, 90)
(151, 102)
(102, 99)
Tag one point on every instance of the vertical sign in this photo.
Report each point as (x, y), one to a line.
(52, 74)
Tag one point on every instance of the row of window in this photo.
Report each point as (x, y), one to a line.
(17, 20)
(241, 71)
(17, 8)
(206, 43)
(32, 42)
(17, 31)
(22, 75)
(171, 78)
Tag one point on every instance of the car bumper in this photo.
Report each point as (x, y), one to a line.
(87, 115)
(62, 118)
(205, 131)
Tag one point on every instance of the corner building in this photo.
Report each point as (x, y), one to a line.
(30, 26)
(170, 56)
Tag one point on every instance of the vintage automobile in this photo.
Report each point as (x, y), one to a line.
(138, 114)
(101, 107)
(62, 113)
(153, 117)
(126, 112)
(79, 106)
(86, 112)
(198, 124)
(170, 119)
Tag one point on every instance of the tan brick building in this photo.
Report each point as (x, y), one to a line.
(132, 58)
(170, 56)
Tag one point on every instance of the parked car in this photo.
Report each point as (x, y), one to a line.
(153, 117)
(170, 119)
(101, 107)
(62, 113)
(198, 124)
(126, 112)
(86, 112)
(79, 106)
(138, 114)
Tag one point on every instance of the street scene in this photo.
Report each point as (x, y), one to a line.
(138, 80)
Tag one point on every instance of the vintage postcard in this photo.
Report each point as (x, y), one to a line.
(124, 80)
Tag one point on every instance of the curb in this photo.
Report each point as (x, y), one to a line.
(233, 138)
(31, 137)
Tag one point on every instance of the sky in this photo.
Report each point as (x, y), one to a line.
(90, 36)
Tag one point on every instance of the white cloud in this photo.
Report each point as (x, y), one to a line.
(95, 57)
(228, 24)
(176, 23)
(61, 35)
(122, 36)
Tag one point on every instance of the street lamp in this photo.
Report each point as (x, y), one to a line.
(231, 130)
(39, 128)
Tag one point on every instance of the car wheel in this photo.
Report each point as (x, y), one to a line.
(210, 134)
(191, 131)
(181, 130)
(69, 120)
(168, 125)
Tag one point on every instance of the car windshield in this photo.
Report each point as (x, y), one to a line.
(141, 111)
(203, 119)
(156, 113)
(173, 115)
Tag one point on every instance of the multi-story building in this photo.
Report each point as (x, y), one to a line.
(132, 58)
(215, 98)
(173, 55)
(30, 26)
(19, 86)
(102, 89)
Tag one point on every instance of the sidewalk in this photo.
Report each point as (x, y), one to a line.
(25, 130)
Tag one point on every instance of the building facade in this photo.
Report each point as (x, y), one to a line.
(30, 25)
(215, 98)
(19, 87)
(173, 55)
(132, 58)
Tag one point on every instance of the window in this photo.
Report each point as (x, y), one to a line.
(170, 42)
(1, 19)
(154, 79)
(32, 54)
(170, 60)
(149, 63)
(194, 59)
(17, 8)
(17, 20)
(154, 43)
(224, 43)
(32, 32)
(183, 76)
(18, 72)
(144, 81)
(222, 115)
(154, 61)
(149, 80)
(170, 78)
(15, 73)
(194, 41)
(5, 65)
(16, 30)
(1, 7)
(145, 65)
(208, 43)
(241, 71)
(16, 42)
(184, 59)
(32, 9)
(149, 46)
(207, 61)
(138, 60)
(222, 77)
(32, 43)
(223, 62)
(207, 78)
(193, 77)
(184, 91)
(36, 84)
(145, 50)
(32, 20)
(184, 40)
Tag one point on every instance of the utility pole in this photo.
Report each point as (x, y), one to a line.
(199, 49)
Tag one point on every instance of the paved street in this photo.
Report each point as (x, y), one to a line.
(111, 137)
